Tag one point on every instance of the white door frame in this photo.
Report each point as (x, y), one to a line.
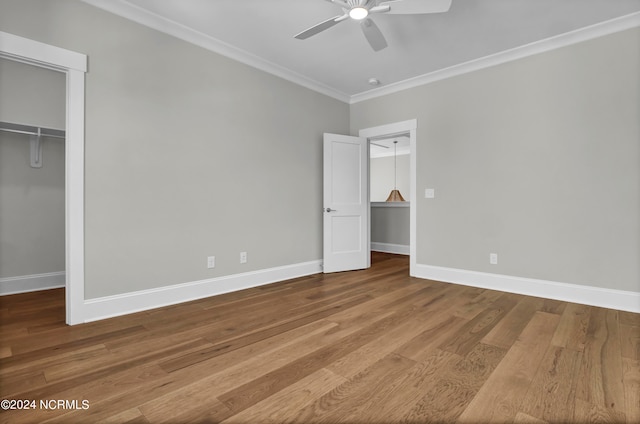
(74, 66)
(389, 130)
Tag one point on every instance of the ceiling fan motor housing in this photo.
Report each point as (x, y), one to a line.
(357, 3)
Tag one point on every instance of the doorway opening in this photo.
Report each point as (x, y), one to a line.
(388, 176)
(74, 66)
(32, 185)
(393, 223)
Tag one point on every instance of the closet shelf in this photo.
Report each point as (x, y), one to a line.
(35, 137)
(31, 130)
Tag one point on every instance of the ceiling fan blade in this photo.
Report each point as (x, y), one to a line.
(373, 35)
(411, 7)
(320, 27)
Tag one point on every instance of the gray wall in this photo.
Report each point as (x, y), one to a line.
(390, 225)
(31, 208)
(188, 153)
(31, 95)
(536, 159)
(31, 199)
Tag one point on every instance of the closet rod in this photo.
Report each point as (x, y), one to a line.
(31, 130)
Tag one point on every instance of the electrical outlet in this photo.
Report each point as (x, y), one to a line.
(211, 261)
(430, 193)
(243, 257)
(493, 258)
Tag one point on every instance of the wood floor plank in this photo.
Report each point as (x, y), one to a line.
(42, 362)
(629, 318)
(601, 368)
(522, 418)
(478, 304)
(116, 393)
(505, 332)
(98, 374)
(470, 334)
(229, 345)
(80, 335)
(185, 405)
(587, 413)
(348, 401)
(434, 334)
(296, 397)
(404, 390)
(222, 378)
(631, 382)
(553, 306)
(20, 381)
(552, 392)
(386, 302)
(368, 346)
(221, 373)
(5, 352)
(457, 384)
(18, 360)
(424, 324)
(630, 341)
(501, 397)
(572, 329)
(256, 390)
(133, 415)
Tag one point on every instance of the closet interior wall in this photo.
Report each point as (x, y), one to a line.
(32, 198)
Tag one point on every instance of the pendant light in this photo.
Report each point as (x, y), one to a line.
(395, 195)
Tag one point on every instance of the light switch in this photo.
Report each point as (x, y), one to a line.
(429, 193)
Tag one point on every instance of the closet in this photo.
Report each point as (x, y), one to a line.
(32, 178)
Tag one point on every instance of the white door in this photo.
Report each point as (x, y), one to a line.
(346, 203)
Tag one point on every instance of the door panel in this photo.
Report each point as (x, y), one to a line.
(346, 203)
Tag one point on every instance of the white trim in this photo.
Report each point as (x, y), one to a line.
(398, 249)
(594, 296)
(29, 283)
(410, 126)
(74, 65)
(390, 204)
(111, 306)
(40, 54)
(74, 191)
(167, 26)
(160, 23)
(573, 37)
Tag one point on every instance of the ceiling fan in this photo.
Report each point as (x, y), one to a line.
(359, 10)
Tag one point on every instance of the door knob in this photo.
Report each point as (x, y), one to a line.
(330, 210)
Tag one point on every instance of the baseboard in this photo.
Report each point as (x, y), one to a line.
(29, 283)
(587, 295)
(398, 249)
(111, 306)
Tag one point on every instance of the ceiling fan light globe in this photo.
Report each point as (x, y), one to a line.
(358, 13)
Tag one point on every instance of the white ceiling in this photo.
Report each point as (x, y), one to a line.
(385, 147)
(339, 62)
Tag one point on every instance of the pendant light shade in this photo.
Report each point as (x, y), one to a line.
(395, 195)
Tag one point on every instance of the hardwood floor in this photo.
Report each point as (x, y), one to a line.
(372, 346)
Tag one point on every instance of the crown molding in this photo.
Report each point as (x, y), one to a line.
(149, 19)
(573, 37)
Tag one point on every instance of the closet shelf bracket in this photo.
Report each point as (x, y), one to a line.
(36, 150)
